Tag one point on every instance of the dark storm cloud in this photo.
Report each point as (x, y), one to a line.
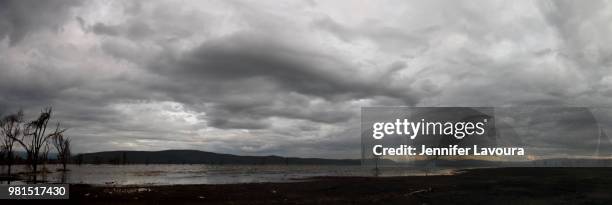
(265, 78)
(262, 78)
(251, 56)
(20, 17)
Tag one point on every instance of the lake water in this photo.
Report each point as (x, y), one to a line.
(118, 175)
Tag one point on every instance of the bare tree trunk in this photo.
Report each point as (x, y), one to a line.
(62, 145)
(9, 163)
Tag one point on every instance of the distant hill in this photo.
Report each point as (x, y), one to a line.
(199, 157)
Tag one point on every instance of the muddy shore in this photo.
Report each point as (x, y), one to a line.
(479, 186)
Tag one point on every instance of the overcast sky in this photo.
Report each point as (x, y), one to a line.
(288, 78)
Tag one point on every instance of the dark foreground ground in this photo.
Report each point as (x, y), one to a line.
(481, 186)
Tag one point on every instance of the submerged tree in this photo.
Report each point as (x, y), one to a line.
(35, 137)
(62, 146)
(11, 131)
(44, 158)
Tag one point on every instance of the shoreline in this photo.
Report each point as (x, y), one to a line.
(472, 186)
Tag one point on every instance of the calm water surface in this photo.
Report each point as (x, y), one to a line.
(117, 175)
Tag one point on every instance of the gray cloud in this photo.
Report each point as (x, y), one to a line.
(19, 18)
(266, 78)
(263, 78)
(248, 56)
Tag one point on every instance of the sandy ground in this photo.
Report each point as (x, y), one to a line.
(481, 186)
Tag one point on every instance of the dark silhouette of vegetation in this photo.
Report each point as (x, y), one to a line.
(62, 146)
(33, 137)
(11, 129)
(44, 158)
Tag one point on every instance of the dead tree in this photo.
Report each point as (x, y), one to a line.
(35, 137)
(44, 158)
(62, 146)
(11, 131)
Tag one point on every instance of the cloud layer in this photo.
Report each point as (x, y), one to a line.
(289, 78)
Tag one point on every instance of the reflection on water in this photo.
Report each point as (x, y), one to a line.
(111, 175)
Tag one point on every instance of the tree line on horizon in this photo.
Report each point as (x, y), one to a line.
(35, 139)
